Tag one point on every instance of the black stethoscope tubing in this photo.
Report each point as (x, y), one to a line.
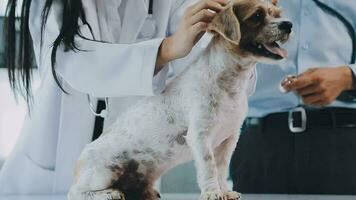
(150, 7)
(349, 97)
(347, 24)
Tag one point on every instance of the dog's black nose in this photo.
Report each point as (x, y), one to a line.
(286, 26)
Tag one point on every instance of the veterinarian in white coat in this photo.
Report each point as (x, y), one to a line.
(122, 69)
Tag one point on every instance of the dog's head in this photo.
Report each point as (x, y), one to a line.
(253, 29)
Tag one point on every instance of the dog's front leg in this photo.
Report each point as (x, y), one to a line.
(207, 174)
(223, 154)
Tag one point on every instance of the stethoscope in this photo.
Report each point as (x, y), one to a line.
(346, 23)
(345, 97)
(104, 113)
(149, 25)
(150, 8)
(149, 28)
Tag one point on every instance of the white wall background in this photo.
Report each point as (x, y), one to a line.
(12, 115)
(2, 7)
(3, 4)
(2, 12)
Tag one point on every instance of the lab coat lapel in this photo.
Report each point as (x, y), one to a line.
(133, 22)
(109, 21)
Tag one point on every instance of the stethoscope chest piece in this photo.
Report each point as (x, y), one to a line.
(104, 113)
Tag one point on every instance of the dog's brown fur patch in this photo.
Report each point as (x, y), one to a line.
(227, 26)
(135, 185)
(226, 80)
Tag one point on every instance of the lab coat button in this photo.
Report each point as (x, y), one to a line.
(149, 28)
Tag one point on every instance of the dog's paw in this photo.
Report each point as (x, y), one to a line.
(108, 194)
(115, 195)
(232, 195)
(212, 195)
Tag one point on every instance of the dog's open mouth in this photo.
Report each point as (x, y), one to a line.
(270, 50)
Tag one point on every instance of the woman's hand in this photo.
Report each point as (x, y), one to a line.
(191, 29)
(321, 86)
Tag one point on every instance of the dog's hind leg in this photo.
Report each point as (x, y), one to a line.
(223, 154)
(94, 183)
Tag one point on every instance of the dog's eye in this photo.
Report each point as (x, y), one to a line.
(258, 16)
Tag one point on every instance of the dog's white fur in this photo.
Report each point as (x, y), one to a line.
(198, 116)
(195, 100)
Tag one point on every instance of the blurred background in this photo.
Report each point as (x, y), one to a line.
(12, 112)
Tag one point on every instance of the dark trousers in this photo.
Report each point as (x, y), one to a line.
(313, 162)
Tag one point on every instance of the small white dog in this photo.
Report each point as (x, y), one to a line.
(198, 116)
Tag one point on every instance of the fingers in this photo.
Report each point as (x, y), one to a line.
(215, 5)
(202, 16)
(317, 87)
(314, 95)
(194, 25)
(317, 96)
(312, 99)
(298, 83)
(288, 80)
(320, 99)
(200, 35)
(311, 89)
(303, 80)
(199, 27)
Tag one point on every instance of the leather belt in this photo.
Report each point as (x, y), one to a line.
(301, 119)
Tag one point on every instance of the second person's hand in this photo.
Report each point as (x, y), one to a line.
(321, 86)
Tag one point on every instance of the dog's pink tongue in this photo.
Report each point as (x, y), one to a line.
(276, 50)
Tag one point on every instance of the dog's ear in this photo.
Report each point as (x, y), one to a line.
(275, 2)
(227, 25)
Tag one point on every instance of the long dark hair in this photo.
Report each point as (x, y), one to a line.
(19, 51)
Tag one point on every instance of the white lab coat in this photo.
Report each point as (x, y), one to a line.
(122, 69)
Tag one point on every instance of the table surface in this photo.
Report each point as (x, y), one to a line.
(195, 197)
